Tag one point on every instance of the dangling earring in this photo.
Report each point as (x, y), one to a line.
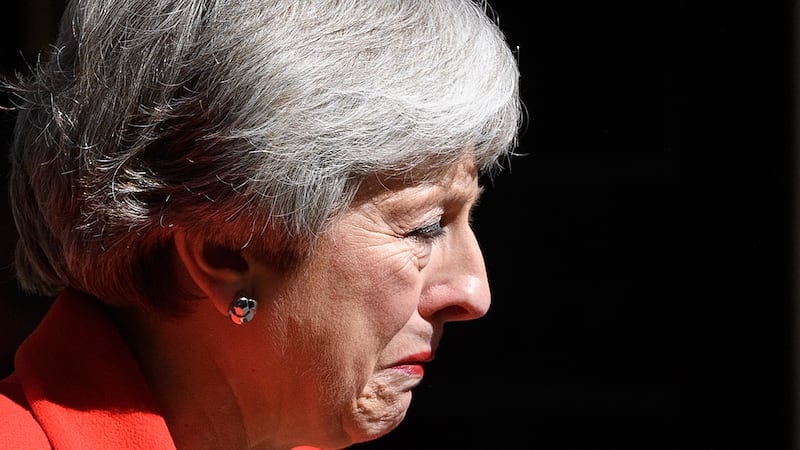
(242, 309)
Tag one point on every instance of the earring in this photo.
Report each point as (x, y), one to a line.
(242, 309)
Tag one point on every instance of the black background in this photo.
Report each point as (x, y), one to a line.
(640, 253)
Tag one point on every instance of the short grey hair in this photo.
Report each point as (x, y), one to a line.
(248, 122)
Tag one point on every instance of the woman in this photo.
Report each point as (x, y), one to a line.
(254, 216)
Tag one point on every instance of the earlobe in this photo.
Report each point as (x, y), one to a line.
(219, 273)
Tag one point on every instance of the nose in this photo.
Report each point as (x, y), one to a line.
(457, 287)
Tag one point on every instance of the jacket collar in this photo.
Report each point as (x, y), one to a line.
(82, 383)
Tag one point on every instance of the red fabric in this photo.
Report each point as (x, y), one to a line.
(76, 386)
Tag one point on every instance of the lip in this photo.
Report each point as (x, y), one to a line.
(416, 358)
(413, 364)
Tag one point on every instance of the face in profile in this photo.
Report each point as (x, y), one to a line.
(357, 323)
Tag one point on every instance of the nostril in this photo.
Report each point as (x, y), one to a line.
(463, 311)
(456, 313)
(461, 300)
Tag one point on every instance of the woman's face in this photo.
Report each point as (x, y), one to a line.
(356, 324)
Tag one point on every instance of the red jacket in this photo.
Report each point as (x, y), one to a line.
(76, 386)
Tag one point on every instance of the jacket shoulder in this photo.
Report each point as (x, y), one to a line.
(18, 427)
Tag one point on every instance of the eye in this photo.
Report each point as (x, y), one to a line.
(428, 232)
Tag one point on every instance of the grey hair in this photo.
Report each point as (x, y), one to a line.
(247, 122)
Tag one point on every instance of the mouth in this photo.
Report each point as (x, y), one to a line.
(413, 365)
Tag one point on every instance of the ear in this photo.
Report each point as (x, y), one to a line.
(219, 273)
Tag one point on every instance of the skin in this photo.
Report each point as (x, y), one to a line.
(336, 347)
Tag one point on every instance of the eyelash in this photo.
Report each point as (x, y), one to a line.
(428, 232)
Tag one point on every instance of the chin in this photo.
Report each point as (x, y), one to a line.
(380, 407)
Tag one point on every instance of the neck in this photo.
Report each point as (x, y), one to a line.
(195, 397)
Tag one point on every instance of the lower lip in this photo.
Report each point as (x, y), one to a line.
(415, 370)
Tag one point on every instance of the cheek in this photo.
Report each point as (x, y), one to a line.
(371, 300)
(391, 290)
(356, 310)
(363, 296)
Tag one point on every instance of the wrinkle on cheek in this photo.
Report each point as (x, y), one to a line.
(380, 240)
(379, 250)
(379, 273)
